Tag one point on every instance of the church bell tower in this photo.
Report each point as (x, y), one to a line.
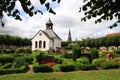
(49, 24)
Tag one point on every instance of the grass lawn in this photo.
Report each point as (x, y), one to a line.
(113, 74)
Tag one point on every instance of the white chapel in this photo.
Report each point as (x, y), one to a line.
(47, 39)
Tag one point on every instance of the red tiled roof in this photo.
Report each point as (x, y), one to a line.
(114, 34)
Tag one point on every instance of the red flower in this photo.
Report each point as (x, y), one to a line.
(42, 62)
(51, 63)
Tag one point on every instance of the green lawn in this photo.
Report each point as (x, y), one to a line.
(113, 74)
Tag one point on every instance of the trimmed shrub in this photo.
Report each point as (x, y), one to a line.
(23, 50)
(28, 50)
(57, 67)
(83, 60)
(42, 68)
(117, 51)
(86, 67)
(94, 53)
(97, 62)
(8, 65)
(67, 67)
(21, 69)
(76, 52)
(66, 55)
(3, 51)
(6, 59)
(58, 61)
(29, 59)
(19, 61)
(39, 56)
(109, 65)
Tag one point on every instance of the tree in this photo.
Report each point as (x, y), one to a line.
(8, 6)
(105, 9)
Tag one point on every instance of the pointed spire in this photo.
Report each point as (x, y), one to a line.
(69, 36)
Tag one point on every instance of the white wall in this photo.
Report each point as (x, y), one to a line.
(57, 43)
(49, 43)
(41, 37)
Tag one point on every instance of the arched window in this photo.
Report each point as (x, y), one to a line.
(44, 44)
(40, 44)
(35, 44)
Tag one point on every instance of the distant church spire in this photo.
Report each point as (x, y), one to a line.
(69, 36)
(49, 24)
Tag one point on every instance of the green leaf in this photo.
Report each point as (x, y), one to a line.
(31, 14)
(40, 12)
(29, 3)
(47, 5)
(17, 17)
(53, 0)
(95, 22)
(89, 17)
(88, 4)
(51, 11)
(59, 1)
(42, 1)
(2, 23)
(32, 8)
(84, 8)
(99, 20)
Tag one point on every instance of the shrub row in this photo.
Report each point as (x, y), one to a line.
(83, 60)
(8, 65)
(6, 59)
(7, 51)
(86, 67)
(97, 62)
(23, 50)
(42, 68)
(14, 70)
(109, 65)
(67, 67)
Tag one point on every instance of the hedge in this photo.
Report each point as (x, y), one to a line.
(8, 65)
(6, 59)
(42, 68)
(97, 62)
(67, 67)
(109, 65)
(86, 67)
(22, 69)
(83, 60)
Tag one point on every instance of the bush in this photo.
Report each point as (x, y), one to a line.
(83, 60)
(57, 67)
(19, 61)
(23, 50)
(67, 67)
(39, 56)
(66, 55)
(3, 51)
(76, 53)
(86, 55)
(14, 70)
(97, 62)
(29, 59)
(109, 65)
(7, 51)
(6, 59)
(42, 68)
(86, 67)
(94, 53)
(117, 51)
(8, 65)
(58, 61)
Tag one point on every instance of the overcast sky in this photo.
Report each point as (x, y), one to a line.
(67, 17)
